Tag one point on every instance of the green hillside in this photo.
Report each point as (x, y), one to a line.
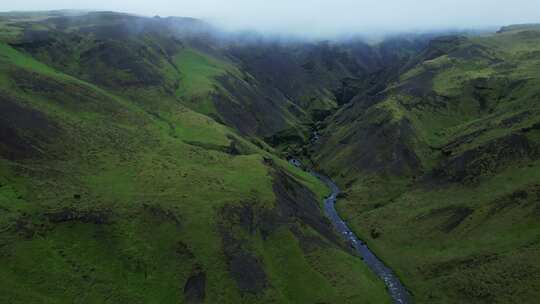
(442, 171)
(117, 186)
(143, 160)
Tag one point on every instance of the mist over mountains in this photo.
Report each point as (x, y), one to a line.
(320, 19)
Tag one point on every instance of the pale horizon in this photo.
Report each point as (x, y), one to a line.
(319, 18)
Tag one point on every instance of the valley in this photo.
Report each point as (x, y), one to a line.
(147, 160)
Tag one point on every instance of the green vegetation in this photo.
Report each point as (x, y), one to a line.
(112, 190)
(441, 174)
(142, 163)
(198, 72)
(197, 83)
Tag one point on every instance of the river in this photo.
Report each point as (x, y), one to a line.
(397, 291)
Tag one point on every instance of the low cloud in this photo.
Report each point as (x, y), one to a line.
(319, 18)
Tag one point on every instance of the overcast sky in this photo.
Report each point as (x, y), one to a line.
(317, 17)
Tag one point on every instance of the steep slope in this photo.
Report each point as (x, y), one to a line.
(263, 89)
(114, 188)
(169, 58)
(441, 168)
(258, 90)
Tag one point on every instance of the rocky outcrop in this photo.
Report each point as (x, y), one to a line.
(23, 131)
(486, 159)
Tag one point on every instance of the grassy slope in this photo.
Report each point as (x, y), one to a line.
(115, 206)
(454, 234)
(157, 62)
(197, 82)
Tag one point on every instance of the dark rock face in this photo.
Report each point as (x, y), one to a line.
(296, 202)
(486, 159)
(245, 267)
(195, 288)
(250, 107)
(117, 56)
(71, 215)
(138, 61)
(70, 94)
(23, 131)
(383, 146)
(248, 272)
(296, 206)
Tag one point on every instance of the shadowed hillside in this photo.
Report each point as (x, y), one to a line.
(441, 168)
(119, 184)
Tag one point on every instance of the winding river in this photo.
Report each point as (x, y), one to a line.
(397, 291)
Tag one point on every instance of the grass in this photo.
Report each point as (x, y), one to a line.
(197, 81)
(120, 207)
(480, 252)
(454, 241)
(288, 264)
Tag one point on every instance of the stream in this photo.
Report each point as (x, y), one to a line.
(397, 291)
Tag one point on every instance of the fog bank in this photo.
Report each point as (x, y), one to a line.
(318, 18)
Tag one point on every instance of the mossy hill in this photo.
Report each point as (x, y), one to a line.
(141, 161)
(125, 180)
(441, 168)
